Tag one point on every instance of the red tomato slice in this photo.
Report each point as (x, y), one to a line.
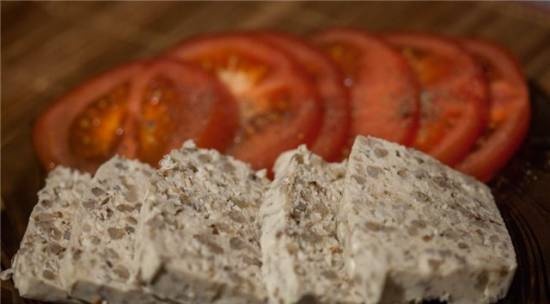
(176, 102)
(141, 110)
(509, 113)
(333, 134)
(454, 97)
(85, 127)
(383, 90)
(279, 109)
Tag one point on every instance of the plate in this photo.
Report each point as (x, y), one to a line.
(521, 190)
(522, 193)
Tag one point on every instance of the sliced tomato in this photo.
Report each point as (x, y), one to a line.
(510, 110)
(454, 96)
(383, 90)
(176, 102)
(85, 127)
(278, 105)
(141, 110)
(333, 134)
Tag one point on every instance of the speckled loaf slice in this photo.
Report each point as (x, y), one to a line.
(37, 263)
(200, 235)
(426, 230)
(302, 256)
(102, 262)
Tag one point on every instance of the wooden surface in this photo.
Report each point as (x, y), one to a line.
(48, 47)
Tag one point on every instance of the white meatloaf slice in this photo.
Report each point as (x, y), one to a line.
(430, 231)
(102, 259)
(200, 240)
(302, 256)
(37, 263)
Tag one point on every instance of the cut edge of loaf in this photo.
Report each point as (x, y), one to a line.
(194, 183)
(453, 271)
(48, 285)
(301, 251)
(110, 208)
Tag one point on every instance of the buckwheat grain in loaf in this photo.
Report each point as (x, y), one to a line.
(436, 233)
(302, 256)
(102, 259)
(200, 234)
(37, 264)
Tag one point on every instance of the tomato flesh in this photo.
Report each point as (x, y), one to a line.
(346, 57)
(155, 125)
(277, 103)
(96, 131)
(453, 98)
(333, 134)
(509, 112)
(383, 90)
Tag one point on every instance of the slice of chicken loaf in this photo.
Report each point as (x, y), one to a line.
(200, 240)
(102, 263)
(37, 264)
(302, 256)
(432, 232)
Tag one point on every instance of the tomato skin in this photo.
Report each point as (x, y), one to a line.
(334, 132)
(51, 133)
(279, 107)
(383, 89)
(454, 96)
(510, 110)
